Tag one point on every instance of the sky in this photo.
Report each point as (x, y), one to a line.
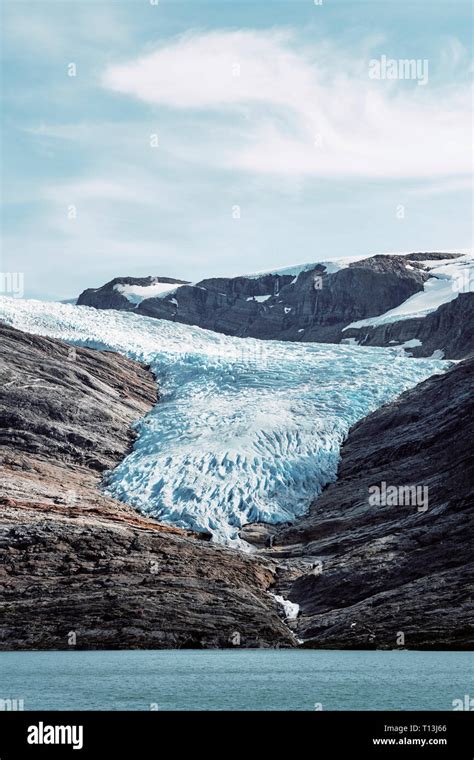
(194, 139)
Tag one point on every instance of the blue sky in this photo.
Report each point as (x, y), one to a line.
(274, 146)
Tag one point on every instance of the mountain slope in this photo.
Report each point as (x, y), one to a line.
(363, 573)
(314, 304)
(74, 561)
(350, 299)
(448, 330)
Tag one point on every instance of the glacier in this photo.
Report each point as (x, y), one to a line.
(245, 430)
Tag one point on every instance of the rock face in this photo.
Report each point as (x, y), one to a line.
(78, 568)
(369, 575)
(313, 305)
(448, 329)
(109, 296)
(68, 404)
(72, 560)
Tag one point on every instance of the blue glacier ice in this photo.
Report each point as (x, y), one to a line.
(245, 430)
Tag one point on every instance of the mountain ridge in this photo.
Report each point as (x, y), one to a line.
(307, 303)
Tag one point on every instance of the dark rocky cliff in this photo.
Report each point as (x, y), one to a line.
(109, 296)
(313, 306)
(363, 573)
(74, 561)
(448, 329)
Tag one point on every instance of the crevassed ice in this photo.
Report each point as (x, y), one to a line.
(245, 430)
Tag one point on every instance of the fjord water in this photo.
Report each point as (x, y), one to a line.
(236, 680)
(245, 430)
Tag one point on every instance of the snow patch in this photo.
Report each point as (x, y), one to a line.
(449, 277)
(332, 265)
(260, 299)
(341, 262)
(138, 293)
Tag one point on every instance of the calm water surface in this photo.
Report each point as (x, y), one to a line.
(236, 680)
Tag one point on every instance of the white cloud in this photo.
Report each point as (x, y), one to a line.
(199, 71)
(295, 111)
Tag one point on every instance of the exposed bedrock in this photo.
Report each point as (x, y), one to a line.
(367, 574)
(364, 574)
(74, 561)
(111, 296)
(448, 329)
(312, 306)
